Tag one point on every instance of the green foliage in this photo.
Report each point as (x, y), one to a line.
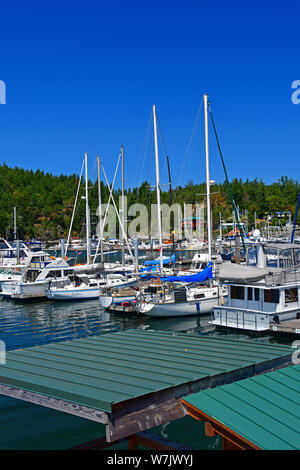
(45, 202)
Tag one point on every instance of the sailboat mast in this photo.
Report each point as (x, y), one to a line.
(157, 188)
(15, 223)
(100, 206)
(205, 98)
(87, 214)
(123, 207)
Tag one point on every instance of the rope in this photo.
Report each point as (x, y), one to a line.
(189, 144)
(226, 178)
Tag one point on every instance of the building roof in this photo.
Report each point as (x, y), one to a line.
(104, 370)
(264, 409)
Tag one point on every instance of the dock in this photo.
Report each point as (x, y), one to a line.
(121, 308)
(132, 380)
(257, 413)
(289, 327)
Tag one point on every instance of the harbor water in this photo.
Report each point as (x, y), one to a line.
(24, 324)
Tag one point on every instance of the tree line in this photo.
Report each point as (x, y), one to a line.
(44, 202)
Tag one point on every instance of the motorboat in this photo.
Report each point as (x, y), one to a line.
(263, 292)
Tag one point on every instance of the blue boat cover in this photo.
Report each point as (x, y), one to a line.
(169, 260)
(198, 277)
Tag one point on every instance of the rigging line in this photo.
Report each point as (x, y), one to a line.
(226, 178)
(163, 144)
(189, 144)
(117, 212)
(148, 150)
(144, 146)
(102, 224)
(74, 210)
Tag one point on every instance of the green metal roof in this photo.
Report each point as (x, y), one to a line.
(99, 371)
(264, 409)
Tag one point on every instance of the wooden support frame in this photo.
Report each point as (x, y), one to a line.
(54, 403)
(213, 427)
(146, 439)
(131, 417)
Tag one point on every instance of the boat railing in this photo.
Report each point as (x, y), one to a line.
(285, 276)
(234, 316)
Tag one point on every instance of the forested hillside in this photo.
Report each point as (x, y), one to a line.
(45, 202)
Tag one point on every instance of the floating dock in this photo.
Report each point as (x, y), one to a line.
(290, 327)
(132, 380)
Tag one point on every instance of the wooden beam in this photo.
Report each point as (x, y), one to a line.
(155, 442)
(142, 413)
(132, 442)
(216, 427)
(54, 403)
(148, 417)
(95, 444)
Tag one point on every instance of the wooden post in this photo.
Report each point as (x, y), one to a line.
(132, 442)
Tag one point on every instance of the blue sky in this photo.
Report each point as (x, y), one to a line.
(82, 76)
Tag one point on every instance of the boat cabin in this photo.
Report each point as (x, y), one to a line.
(262, 293)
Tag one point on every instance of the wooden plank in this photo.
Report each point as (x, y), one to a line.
(146, 418)
(154, 442)
(142, 413)
(54, 403)
(95, 444)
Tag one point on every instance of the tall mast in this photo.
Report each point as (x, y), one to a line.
(157, 188)
(87, 214)
(100, 206)
(15, 223)
(123, 207)
(205, 97)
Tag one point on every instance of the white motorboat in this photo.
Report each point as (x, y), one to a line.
(42, 271)
(86, 288)
(11, 256)
(262, 294)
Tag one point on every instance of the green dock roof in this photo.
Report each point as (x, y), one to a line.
(264, 409)
(100, 371)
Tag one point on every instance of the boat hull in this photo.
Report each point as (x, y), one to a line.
(109, 300)
(181, 309)
(76, 294)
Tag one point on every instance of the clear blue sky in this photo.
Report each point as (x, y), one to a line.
(82, 76)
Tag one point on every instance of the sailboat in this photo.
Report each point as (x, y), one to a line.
(184, 300)
(91, 278)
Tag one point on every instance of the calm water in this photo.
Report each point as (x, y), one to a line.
(27, 426)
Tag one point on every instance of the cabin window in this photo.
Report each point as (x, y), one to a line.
(297, 256)
(250, 293)
(256, 294)
(271, 295)
(291, 295)
(54, 274)
(237, 292)
(68, 272)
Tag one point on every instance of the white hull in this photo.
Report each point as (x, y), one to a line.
(108, 300)
(180, 309)
(23, 290)
(75, 294)
(240, 319)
